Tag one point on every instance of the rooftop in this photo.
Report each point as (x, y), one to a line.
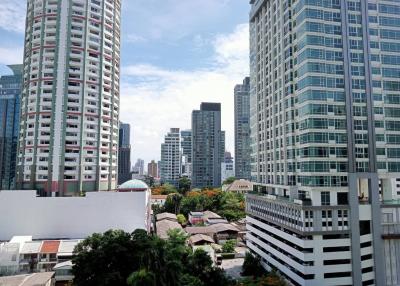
(50, 246)
(133, 185)
(164, 226)
(36, 279)
(200, 237)
(166, 216)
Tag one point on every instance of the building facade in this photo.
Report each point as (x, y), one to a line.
(227, 167)
(124, 153)
(324, 134)
(242, 130)
(139, 167)
(10, 93)
(152, 169)
(70, 98)
(186, 152)
(170, 170)
(208, 146)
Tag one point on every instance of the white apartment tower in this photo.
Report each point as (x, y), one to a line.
(170, 169)
(71, 96)
(325, 133)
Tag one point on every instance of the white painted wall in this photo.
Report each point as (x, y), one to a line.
(22, 213)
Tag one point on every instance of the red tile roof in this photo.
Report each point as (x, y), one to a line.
(50, 246)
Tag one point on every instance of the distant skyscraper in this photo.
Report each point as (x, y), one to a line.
(325, 129)
(186, 150)
(10, 92)
(208, 145)
(170, 158)
(139, 167)
(227, 167)
(242, 130)
(152, 169)
(124, 153)
(70, 101)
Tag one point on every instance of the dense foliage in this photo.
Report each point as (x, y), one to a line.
(256, 274)
(117, 258)
(229, 181)
(228, 205)
(229, 246)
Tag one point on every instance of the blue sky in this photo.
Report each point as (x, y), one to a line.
(175, 54)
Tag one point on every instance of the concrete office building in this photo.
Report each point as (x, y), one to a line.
(152, 169)
(208, 145)
(70, 99)
(10, 92)
(325, 131)
(124, 153)
(186, 153)
(170, 158)
(242, 130)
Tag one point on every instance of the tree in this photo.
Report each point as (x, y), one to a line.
(168, 189)
(181, 219)
(252, 266)
(149, 180)
(104, 259)
(120, 259)
(173, 203)
(184, 184)
(229, 181)
(229, 246)
(141, 278)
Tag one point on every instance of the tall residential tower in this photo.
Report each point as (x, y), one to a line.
(208, 146)
(10, 93)
(170, 169)
(325, 128)
(70, 98)
(242, 130)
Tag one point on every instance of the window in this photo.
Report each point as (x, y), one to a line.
(325, 199)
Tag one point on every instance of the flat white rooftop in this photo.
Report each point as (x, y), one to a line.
(22, 213)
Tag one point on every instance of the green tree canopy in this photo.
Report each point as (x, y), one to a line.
(118, 258)
(184, 184)
(229, 181)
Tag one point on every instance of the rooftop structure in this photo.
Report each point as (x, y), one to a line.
(77, 217)
(164, 226)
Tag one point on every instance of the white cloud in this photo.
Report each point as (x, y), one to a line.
(172, 19)
(12, 15)
(12, 55)
(155, 99)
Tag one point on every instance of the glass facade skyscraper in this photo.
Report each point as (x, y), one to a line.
(10, 93)
(325, 127)
(124, 153)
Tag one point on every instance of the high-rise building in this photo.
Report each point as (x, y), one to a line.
(152, 169)
(139, 167)
(186, 153)
(227, 167)
(10, 92)
(70, 100)
(171, 158)
(124, 153)
(242, 130)
(325, 129)
(208, 146)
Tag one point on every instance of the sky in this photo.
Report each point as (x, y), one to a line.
(175, 54)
